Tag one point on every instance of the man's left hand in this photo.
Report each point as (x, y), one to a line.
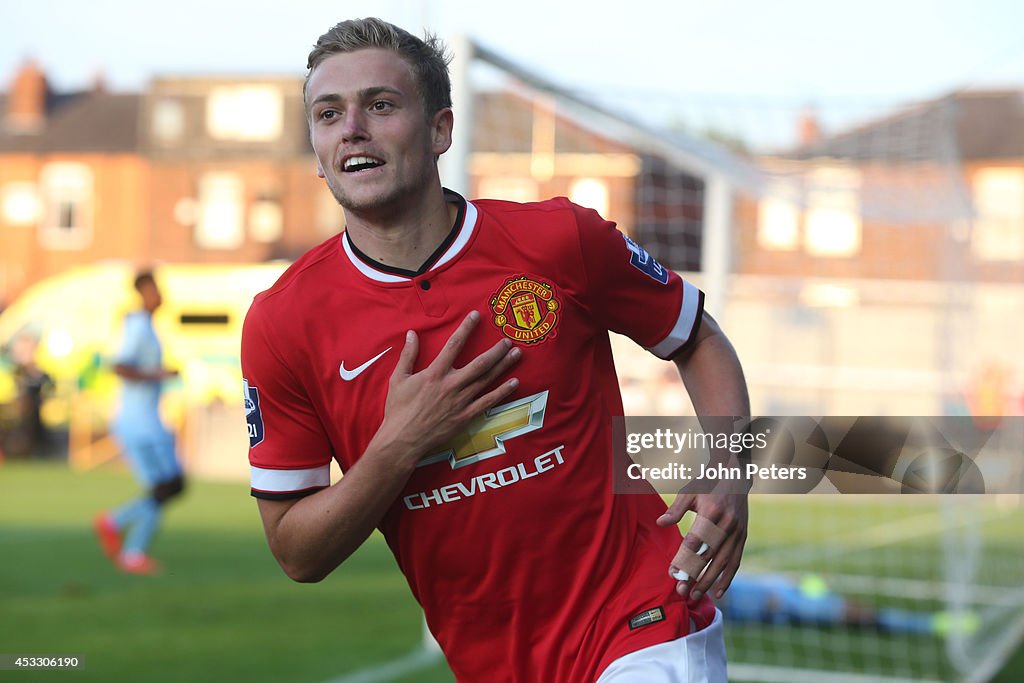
(727, 513)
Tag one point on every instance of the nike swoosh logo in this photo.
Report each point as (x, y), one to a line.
(349, 375)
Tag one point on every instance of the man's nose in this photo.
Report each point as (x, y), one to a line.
(354, 126)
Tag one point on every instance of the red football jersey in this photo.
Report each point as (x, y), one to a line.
(527, 566)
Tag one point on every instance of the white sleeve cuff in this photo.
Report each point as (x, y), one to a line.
(687, 324)
(287, 482)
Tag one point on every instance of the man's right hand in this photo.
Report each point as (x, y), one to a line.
(426, 409)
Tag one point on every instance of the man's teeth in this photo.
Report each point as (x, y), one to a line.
(359, 163)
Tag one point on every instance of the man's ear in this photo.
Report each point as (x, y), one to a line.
(441, 128)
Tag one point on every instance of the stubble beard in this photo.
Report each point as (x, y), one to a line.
(378, 202)
(372, 203)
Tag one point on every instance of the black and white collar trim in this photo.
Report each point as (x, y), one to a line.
(375, 271)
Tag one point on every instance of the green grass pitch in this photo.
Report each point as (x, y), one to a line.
(222, 611)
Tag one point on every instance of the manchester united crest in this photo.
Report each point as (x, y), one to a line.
(525, 310)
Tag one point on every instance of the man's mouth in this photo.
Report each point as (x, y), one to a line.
(360, 163)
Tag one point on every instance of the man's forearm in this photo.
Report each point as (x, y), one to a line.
(133, 373)
(713, 375)
(317, 533)
(714, 380)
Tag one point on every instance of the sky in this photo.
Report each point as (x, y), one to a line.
(670, 59)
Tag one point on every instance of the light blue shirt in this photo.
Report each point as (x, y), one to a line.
(140, 349)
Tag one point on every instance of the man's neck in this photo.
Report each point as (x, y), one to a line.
(405, 240)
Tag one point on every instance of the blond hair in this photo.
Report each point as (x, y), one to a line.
(428, 58)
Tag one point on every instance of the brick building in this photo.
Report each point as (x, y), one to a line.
(934, 191)
(192, 170)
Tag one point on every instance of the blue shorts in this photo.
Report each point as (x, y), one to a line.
(150, 449)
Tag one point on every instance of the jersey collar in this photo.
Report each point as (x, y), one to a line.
(452, 246)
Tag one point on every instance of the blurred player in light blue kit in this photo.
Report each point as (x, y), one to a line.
(777, 599)
(126, 532)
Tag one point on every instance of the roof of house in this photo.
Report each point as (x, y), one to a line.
(86, 121)
(963, 126)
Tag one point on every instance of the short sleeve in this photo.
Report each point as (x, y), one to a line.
(289, 450)
(130, 352)
(629, 292)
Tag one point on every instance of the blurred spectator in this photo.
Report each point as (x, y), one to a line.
(33, 384)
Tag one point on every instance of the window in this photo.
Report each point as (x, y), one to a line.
(20, 204)
(833, 212)
(247, 113)
(186, 211)
(999, 204)
(67, 204)
(832, 232)
(168, 121)
(591, 193)
(266, 220)
(778, 219)
(330, 219)
(204, 318)
(219, 223)
(509, 188)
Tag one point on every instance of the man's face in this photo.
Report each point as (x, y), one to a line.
(150, 294)
(373, 142)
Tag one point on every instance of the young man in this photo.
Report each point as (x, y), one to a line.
(453, 357)
(147, 443)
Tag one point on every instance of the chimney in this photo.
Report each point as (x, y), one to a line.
(26, 102)
(98, 82)
(808, 128)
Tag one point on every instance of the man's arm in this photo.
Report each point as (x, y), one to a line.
(126, 371)
(311, 536)
(126, 363)
(714, 380)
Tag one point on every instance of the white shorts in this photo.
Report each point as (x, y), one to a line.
(696, 658)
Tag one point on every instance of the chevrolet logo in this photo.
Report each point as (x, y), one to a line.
(486, 435)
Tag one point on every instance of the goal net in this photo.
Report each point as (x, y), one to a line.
(862, 261)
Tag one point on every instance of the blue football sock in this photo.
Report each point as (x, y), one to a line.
(144, 520)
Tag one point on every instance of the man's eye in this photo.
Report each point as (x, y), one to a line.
(381, 105)
(327, 114)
